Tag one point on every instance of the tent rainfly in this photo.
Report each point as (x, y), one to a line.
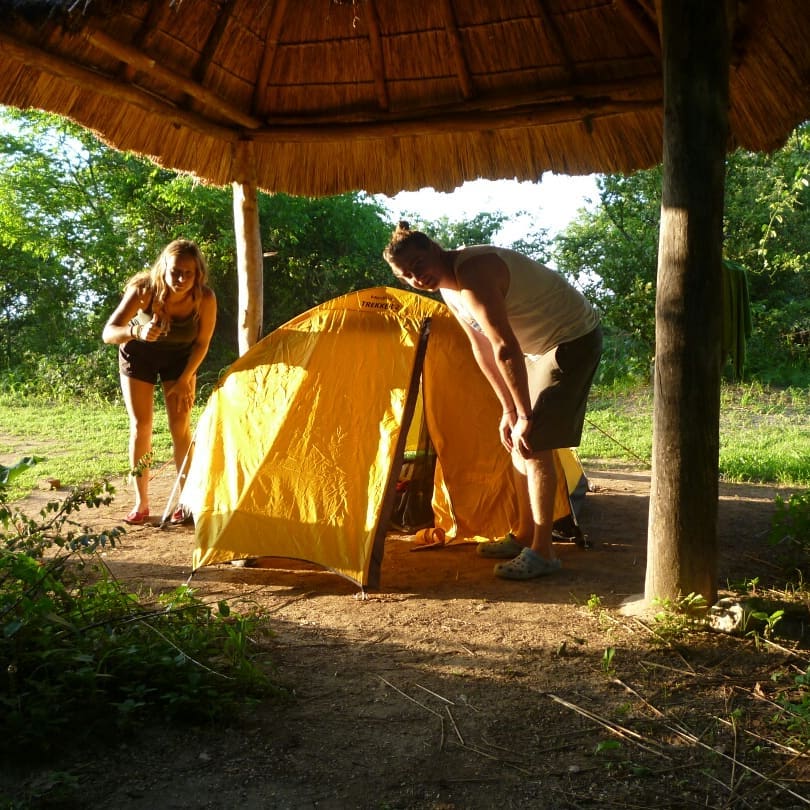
(299, 450)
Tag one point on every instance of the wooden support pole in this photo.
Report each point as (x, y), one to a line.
(249, 263)
(682, 538)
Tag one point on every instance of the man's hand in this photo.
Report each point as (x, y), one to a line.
(506, 427)
(520, 437)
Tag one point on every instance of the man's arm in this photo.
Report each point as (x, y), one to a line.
(484, 357)
(483, 282)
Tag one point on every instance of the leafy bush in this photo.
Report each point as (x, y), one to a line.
(64, 377)
(778, 353)
(81, 657)
(89, 377)
(625, 360)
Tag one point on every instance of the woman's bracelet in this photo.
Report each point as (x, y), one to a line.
(132, 332)
(511, 410)
(525, 418)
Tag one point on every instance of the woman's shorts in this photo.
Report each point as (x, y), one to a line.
(149, 361)
(559, 383)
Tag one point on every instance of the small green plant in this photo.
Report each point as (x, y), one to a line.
(142, 464)
(680, 617)
(797, 710)
(607, 659)
(605, 746)
(598, 611)
(745, 586)
(768, 622)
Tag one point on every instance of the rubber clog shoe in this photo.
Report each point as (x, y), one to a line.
(505, 548)
(527, 565)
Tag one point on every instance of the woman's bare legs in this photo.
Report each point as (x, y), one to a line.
(138, 398)
(178, 412)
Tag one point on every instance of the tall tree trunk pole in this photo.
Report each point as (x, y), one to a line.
(249, 266)
(682, 536)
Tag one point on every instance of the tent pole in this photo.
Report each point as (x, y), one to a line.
(381, 529)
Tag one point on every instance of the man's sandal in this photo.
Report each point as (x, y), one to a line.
(505, 548)
(527, 565)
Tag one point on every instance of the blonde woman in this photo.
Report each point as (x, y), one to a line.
(163, 327)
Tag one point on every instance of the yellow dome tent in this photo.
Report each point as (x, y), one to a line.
(299, 449)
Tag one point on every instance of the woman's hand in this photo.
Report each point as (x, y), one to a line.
(180, 396)
(151, 331)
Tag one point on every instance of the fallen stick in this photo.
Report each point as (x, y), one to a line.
(413, 700)
(436, 695)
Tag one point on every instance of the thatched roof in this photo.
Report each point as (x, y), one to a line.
(381, 95)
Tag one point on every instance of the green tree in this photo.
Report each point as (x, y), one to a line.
(77, 219)
(768, 232)
(612, 251)
(483, 229)
(320, 248)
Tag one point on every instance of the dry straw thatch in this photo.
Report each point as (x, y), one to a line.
(323, 96)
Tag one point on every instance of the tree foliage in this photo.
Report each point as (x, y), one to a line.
(613, 253)
(77, 219)
(483, 229)
(767, 230)
(323, 247)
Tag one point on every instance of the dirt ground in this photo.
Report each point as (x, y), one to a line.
(449, 689)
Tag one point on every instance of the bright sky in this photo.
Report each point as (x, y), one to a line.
(550, 204)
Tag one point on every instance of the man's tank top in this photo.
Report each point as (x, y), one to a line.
(544, 310)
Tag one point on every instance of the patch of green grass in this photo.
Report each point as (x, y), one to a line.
(764, 436)
(764, 432)
(77, 442)
(618, 427)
